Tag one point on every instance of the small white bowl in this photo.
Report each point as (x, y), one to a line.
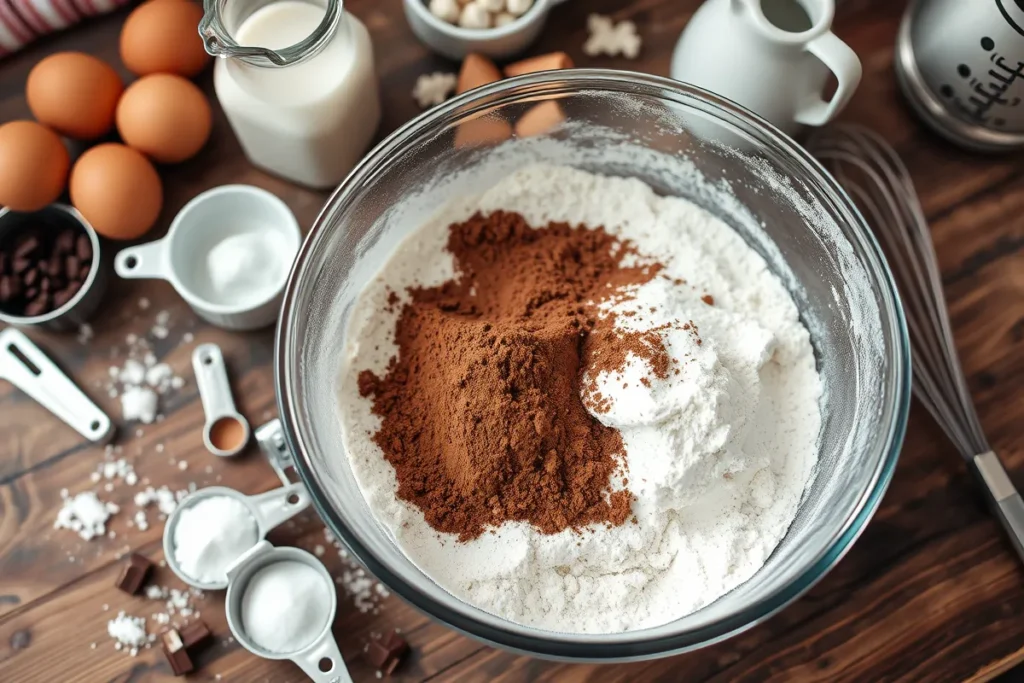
(456, 42)
(181, 256)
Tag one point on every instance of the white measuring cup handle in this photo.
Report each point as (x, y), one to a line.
(26, 366)
(147, 261)
(841, 61)
(324, 654)
(276, 507)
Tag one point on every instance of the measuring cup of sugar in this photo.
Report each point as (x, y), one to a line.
(280, 604)
(227, 253)
(211, 528)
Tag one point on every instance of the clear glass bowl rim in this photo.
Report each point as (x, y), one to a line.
(609, 647)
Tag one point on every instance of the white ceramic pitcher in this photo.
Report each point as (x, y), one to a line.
(771, 56)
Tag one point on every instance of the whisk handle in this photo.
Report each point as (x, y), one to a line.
(1005, 500)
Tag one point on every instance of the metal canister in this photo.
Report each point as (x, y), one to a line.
(961, 65)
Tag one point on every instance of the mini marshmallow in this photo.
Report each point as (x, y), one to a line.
(445, 10)
(518, 7)
(504, 19)
(474, 15)
(492, 5)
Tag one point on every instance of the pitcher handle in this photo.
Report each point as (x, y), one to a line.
(841, 61)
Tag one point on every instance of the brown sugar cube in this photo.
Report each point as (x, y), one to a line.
(540, 119)
(476, 70)
(549, 62)
(134, 573)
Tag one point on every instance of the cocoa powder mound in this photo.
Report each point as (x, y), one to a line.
(481, 415)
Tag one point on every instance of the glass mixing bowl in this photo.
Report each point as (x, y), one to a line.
(682, 141)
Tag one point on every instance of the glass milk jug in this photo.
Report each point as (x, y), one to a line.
(297, 82)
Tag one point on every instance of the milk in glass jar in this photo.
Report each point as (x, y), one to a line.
(296, 80)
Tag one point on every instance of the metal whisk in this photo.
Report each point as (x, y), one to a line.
(873, 175)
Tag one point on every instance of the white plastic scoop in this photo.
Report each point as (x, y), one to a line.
(320, 657)
(24, 365)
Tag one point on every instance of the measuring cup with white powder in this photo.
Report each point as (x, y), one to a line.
(280, 604)
(213, 527)
(228, 253)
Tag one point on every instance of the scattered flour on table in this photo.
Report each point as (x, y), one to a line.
(718, 455)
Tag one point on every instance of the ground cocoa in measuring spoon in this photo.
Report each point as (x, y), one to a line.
(227, 434)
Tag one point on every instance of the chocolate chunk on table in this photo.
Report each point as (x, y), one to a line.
(176, 653)
(387, 653)
(194, 634)
(134, 574)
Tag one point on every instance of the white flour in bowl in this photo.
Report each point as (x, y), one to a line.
(717, 456)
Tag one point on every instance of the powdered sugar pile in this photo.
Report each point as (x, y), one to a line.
(141, 380)
(129, 633)
(718, 455)
(85, 514)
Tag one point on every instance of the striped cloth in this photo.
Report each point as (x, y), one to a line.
(22, 21)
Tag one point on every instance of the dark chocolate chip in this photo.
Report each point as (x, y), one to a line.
(31, 292)
(26, 247)
(194, 634)
(71, 265)
(54, 264)
(136, 570)
(44, 285)
(5, 262)
(74, 286)
(65, 242)
(83, 250)
(38, 306)
(30, 277)
(83, 272)
(21, 265)
(175, 652)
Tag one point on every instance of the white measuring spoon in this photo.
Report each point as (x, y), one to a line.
(24, 365)
(321, 658)
(269, 510)
(215, 393)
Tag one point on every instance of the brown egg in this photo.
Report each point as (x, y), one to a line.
(33, 165)
(163, 37)
(165, 117)
(117, 190)
(75, 94)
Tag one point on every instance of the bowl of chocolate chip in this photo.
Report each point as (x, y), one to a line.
(50, 272)
(593, 365)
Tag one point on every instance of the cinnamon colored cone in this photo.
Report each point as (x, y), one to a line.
(476, 70)
(540, 119)
(548, 62)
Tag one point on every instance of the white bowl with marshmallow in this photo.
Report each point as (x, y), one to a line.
(495, 28)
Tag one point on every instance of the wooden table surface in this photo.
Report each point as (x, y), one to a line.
(930, 592)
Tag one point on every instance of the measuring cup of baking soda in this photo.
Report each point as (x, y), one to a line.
(211, 528)
(280, 605)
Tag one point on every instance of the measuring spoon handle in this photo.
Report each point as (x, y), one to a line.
(212, 381)
(25, 366)
(276, 507)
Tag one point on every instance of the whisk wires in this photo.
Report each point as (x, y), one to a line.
(878, 182)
